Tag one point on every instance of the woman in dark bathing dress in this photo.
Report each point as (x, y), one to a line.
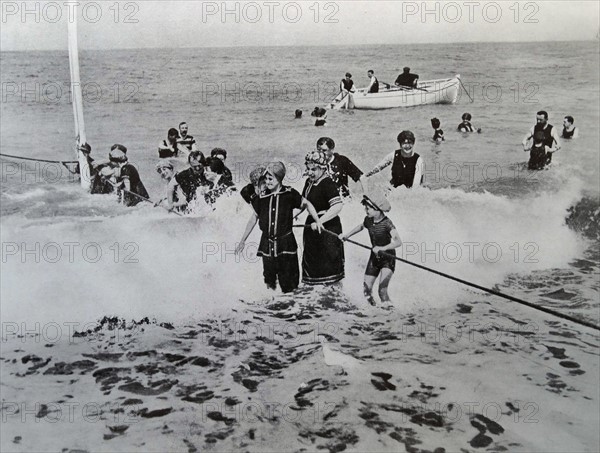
(323, 256)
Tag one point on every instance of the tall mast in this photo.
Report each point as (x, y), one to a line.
(77, 99)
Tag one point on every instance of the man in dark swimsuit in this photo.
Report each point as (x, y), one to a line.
(406, 79)
(550, 134)
(339, 167)
(374, 85)
(188, 180)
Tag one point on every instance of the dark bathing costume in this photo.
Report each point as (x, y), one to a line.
(403, 169)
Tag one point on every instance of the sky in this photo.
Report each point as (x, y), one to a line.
(157, 24)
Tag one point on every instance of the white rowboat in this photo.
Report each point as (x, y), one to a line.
(440, 91)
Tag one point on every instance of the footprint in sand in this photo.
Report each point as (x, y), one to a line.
(483, 425)
(561, 294)
(382, 384)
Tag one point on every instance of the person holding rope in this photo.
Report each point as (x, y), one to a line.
(106, 173)
(167, 172)
(384, 238)
(189, 180)
(218, 183)
(273, 210)
(128, 177)
(323, 257)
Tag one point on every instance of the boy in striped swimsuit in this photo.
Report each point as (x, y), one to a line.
(384, 238)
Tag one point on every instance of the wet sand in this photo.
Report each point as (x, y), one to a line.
(309, 373)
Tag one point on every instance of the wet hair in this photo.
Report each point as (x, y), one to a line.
(298, 113)
(318, 111)
(568, 118)
(466, 117)
(435, 123)
(215, 164)
(406, 136)
(197, 155)
(327, 141)
(543, 112)
(216, 151)
(119, 147)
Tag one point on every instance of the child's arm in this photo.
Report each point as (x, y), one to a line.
(356, 230)
(249, 227)
(395, 243)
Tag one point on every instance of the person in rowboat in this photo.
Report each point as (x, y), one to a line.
(407, 166)
(569, 131)
(406, 79)
(374, 83)
(550, 135)
(347, 85)
(339, 167)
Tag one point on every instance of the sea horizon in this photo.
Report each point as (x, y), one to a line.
(311, 45)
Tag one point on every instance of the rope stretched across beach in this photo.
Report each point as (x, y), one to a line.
(473, 285)
(65, 163)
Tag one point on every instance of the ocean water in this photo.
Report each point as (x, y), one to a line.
(70, 256)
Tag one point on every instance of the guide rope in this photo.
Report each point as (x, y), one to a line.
(473, 285)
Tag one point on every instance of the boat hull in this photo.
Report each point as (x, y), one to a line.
(443, 91)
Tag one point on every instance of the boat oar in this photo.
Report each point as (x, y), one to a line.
(405, 88)
(335, 104)
(467, 283)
